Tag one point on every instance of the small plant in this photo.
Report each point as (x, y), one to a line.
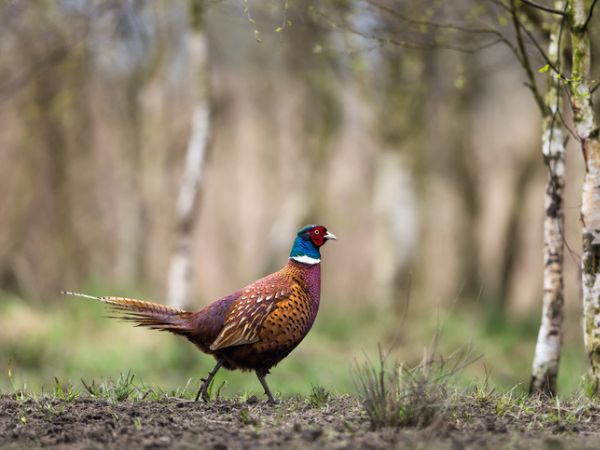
(247, 418)
(399, 395)
(66, 392)
(182, 391)
(48, 409)
(20, 393)
(504, 404)
(319, 397)
(525, 405)
(219, 389)
(483, 395)
(589, 386)
(116, 391)
(124, 387)
(155, 394)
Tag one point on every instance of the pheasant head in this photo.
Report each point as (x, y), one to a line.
(309, 240)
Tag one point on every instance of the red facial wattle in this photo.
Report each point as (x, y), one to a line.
(318, 239)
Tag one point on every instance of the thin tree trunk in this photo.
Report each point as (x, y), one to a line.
(547, 351)
(180, 267)
(513, 233)
(466, 178)
(188, 205)
(587, 132)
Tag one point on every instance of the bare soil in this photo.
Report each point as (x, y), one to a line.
(88, 423)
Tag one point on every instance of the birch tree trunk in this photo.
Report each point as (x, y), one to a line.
(547, 350)
(587, 131)
(180, 268)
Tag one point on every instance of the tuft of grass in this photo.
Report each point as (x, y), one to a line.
(65, 392)
(319, 397)
(483, 395)
(21, 393)
(218, 390)
(589, 386)
(182, 391)
(117, 391)
(413, 396)
(504, 404)
(247, 418)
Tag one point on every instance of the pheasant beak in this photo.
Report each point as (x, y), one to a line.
(329, 236)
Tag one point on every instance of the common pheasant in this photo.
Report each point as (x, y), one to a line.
(253, 328)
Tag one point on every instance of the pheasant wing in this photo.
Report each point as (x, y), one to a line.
(244, 319)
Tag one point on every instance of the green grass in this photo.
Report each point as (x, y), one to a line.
(70, 340)
(429, 394)
(66, 349)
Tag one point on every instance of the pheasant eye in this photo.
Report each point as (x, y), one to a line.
(317, 231)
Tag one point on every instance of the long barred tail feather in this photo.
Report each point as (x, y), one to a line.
(144, 314)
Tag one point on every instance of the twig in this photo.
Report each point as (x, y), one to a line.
(524, 59)
(448, 26)
(589, 17)
(541, 51)
(400, 43)
(567, 127)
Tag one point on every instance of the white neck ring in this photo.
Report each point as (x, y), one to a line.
(304, 259)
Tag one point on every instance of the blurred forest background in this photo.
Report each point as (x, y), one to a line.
(420, 150)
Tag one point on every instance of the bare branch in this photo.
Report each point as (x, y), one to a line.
(449, 26)
(590, 14)
(541, 51)
(524, 60)
(567, 126)
(555, 66)
(489, 44)
(386, 40)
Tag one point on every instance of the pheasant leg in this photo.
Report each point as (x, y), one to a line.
(268, 393)
(203, 391)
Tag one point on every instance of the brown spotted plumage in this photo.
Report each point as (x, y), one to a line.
(253, 328)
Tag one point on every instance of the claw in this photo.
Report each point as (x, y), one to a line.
(203, 391)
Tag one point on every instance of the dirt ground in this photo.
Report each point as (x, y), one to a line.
(87, 423)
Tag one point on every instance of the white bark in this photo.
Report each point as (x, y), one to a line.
(587, 132)
(590, 257)
(180, 269)
(549, 342)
